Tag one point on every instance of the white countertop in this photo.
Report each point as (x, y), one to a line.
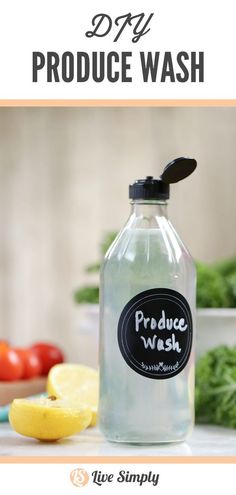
(205, 441)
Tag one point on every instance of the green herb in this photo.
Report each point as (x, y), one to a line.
(216, 387)
(89, 294)
(231, 283)
(226, 267)
(211, 288)
(93, 268)
(216, 284)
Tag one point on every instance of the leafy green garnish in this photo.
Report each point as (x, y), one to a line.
(89, 294)
(93, 268)
(216, 284)
(231, 285)
(226, 267)
(216, 387)
(211, 288)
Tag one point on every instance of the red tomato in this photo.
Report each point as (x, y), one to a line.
(3, 345)
(48, 354)
(11, 366)
(31, 363)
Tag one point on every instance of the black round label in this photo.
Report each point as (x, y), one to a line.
(155, 333)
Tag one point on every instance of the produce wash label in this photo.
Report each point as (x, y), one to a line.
(155, 333)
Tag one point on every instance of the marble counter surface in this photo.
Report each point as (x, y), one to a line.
(205, 441)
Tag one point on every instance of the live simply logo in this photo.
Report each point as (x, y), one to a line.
(79, 477)
(155, 333)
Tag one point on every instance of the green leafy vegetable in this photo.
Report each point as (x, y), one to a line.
(93, 268)
(89, 294)
(216, 284)
(231, 282)
(216, 387)
(211, 288)
(226, 267)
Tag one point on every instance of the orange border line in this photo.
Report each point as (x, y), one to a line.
(117, 103)
(118, 460)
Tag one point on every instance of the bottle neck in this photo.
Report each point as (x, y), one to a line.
(149, 208)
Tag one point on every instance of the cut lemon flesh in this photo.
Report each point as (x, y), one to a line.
(48, 419)
(77, 383)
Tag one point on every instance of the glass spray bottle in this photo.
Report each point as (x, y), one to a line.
(147, 308)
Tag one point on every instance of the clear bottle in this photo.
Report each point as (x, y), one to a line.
(147, 309)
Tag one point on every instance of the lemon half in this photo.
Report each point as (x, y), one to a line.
(48, 419)
(76, 383)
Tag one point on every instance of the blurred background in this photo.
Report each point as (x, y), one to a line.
(64, 175)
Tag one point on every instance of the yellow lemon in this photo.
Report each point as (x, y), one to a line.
(77, 383)
(47, 418)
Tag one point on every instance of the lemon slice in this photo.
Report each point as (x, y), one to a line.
(77, 383)
(47, 419)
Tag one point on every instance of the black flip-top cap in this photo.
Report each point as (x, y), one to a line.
(149, 188)
(178, 169)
